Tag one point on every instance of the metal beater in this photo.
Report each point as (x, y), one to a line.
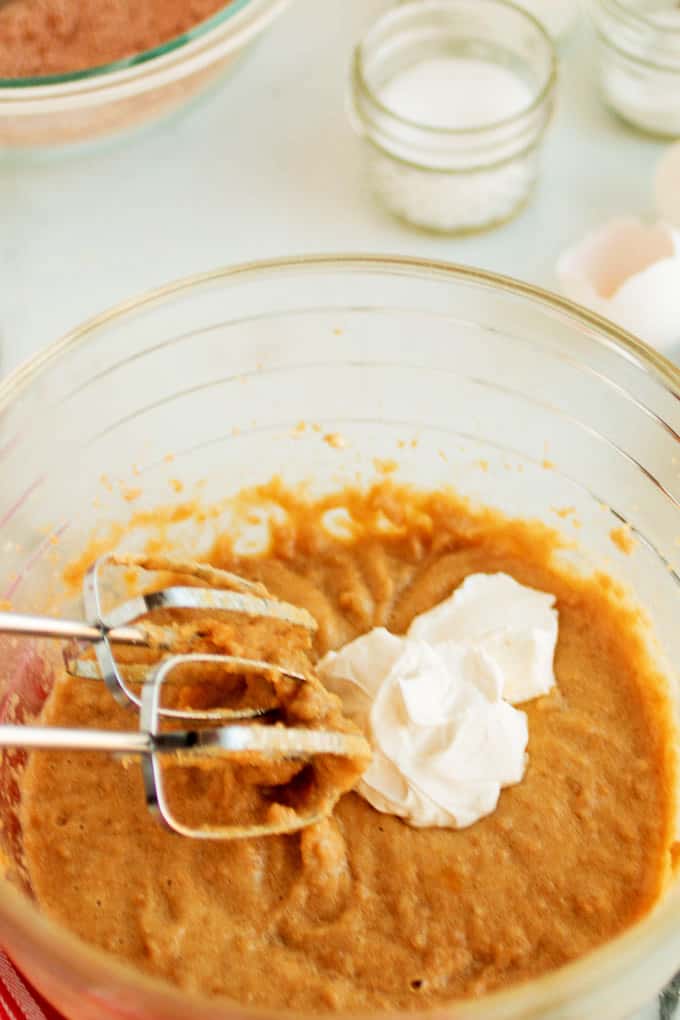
(211, 593)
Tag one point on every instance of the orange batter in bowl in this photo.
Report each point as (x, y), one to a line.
(362, 911)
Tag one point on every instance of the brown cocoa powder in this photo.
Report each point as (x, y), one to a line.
(45, 37)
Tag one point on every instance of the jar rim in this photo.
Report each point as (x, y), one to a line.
(637, 59)
(627, 9)
(361, 83)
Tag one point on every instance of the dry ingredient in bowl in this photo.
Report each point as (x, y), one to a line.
(45, 37)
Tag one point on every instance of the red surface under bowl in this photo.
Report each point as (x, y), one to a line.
(18, 1001)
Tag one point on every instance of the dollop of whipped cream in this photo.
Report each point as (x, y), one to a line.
(437, 704)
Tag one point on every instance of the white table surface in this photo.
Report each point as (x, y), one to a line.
(267, 165)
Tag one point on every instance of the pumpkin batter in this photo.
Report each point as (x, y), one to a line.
(362, 911)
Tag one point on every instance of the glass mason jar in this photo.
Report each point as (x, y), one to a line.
(453, 179)
(639, 62)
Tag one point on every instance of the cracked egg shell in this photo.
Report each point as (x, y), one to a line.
(628, 272)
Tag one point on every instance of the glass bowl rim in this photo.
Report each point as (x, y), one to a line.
(607, 332)
(230, 9)
(29, 929)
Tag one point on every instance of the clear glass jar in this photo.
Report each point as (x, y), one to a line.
(464, 179)
(218, 370)
(639, 62)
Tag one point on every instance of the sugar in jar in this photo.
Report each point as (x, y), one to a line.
(639, 62)
(452, 99)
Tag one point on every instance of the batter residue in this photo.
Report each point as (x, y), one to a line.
(363, 911)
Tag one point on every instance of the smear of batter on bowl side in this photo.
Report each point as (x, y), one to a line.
(623, 539)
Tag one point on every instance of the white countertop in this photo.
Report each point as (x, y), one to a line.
(267, 165)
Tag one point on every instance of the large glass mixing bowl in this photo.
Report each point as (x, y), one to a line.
(437, 367)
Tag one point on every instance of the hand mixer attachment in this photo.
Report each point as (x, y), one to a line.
(130, 623)
(338, 755)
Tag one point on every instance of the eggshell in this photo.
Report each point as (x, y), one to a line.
(667, 186)
(630, 273)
